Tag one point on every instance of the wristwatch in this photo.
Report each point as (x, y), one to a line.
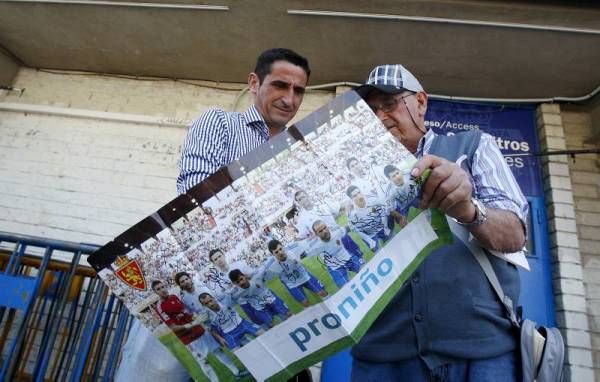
(480, 216)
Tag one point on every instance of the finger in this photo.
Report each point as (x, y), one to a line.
(437, 176)
(445, 190)
(463, 192)
(457, 180)
(452, 200)
(425, 162)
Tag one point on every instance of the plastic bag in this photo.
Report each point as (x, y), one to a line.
(146, 359)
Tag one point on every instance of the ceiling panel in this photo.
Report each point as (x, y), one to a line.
(449, 58)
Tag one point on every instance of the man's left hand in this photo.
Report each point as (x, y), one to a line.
(447, 188)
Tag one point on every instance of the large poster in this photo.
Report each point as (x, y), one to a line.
(282, 258)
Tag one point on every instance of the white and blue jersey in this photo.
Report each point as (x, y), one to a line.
(306, 219)
(257, 295)
(297, 248)
(332, 253)
(291, 272)
(206, 343)
(403, 197)
(265, 303)
(338, 259)
(370, 187)
(295, 277)
(231, 326)
(226, 318)
(218, 281)
(190, 299)
(369, 220)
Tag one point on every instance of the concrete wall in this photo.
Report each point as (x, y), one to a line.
(8, 69)
(84, 157)
(585, 177)
(572, 187)
(595, 121)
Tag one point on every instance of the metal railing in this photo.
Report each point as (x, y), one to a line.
(57, 320)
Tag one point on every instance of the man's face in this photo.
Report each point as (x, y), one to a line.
(210, 302)
(356, 168)
(398, 119)
(303, 200)
(279, 253)
(185, 282)
(280, 94)
(218, 259)
(243, 281)
(359, 199)
(161, 290)
(397, 177)
(322, 231)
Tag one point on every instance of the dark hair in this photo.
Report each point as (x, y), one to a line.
(291, 213)
(212, 252)
(350, 160)
(350, 190)
(202, 295)
(273, 244)
(155, 283)
(235, 275)
(268, 57)
(387, 170)
(179, 275)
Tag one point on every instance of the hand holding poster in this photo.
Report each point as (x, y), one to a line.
(282, 258)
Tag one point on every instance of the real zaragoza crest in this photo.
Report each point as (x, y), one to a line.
(130, 272)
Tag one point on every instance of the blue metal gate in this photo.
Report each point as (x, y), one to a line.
(57, 320)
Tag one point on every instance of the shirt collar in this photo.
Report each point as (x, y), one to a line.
(252, 115)
(254, 119)
(425, 143)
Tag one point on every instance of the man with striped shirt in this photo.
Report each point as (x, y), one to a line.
(446, 323)
(218, 137)
(214, 140)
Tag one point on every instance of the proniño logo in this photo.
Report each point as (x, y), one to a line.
(330, 321)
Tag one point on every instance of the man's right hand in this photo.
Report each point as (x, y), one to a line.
(448, 188)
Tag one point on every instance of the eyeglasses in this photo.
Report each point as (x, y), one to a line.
(389, 104)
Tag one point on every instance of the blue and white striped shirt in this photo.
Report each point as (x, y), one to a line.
(494, 183)
(216, 139)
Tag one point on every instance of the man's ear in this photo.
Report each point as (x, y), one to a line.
(421, 103)
(253, 82)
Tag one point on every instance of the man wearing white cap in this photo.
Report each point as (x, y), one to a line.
(446, 323)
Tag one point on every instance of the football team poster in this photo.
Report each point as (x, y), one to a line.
(282, 258)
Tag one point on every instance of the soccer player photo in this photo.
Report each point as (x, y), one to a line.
(285, 256)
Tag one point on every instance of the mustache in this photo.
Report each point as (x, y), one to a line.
(283, 106)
